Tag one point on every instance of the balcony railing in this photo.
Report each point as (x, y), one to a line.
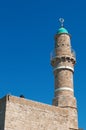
(73, 53)
(53, 54)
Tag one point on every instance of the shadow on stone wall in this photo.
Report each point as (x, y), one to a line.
(2, 112)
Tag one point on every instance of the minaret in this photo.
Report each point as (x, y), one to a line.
(63, 61)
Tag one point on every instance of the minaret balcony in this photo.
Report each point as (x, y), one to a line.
(54, 57)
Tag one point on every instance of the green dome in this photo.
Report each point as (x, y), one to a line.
(62, 30)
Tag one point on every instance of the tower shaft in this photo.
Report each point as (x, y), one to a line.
(63, 60)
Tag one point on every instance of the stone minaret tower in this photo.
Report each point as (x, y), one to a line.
(63, 61)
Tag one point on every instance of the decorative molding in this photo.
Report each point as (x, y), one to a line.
(63, 89)
(64, 67)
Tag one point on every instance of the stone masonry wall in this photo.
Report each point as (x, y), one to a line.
(22, 114)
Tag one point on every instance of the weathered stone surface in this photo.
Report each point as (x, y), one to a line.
(22, 114)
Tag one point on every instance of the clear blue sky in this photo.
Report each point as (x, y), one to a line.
(27, 30)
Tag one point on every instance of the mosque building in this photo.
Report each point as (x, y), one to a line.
(18, 113)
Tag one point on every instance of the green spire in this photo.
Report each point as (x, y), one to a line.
(62, 29)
